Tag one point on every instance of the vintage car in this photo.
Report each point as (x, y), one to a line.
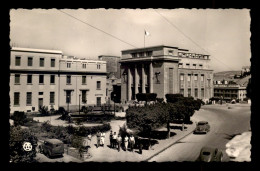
(52, 147)
(209, 154)
(202, 127)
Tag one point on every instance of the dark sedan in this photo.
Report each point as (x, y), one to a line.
(202, 127)
(209, 154)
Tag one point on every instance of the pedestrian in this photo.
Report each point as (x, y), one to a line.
(89, 137)
(140, 145)
(126, 142)
(98, 138)
(111, 139)
(119, 141)
(102, 139)
(114, 143)
(132, 142)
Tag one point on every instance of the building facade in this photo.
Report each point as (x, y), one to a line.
(231, 89)
(165, 70)
(48, 78)
(113, 77)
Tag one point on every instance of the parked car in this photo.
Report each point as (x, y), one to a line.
(52, 147)
(202, 127)
(209, 154)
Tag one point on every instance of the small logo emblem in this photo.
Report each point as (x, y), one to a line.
(27, 146)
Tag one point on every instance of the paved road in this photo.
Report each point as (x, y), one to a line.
(224, 123)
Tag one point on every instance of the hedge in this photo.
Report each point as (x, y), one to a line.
(146, 97)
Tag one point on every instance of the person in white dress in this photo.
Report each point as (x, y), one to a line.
(126, 142)
(102, 139)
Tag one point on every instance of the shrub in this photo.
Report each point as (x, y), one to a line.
(19, 118)
(77, 142)
(172, 98)
(44, 110)
(146, 97)
(159, 100)
(17, 137)
(46, 126)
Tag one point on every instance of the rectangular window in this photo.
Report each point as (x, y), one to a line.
(196, 77)
(30, 61)
(29, 79)
(196, 92)
(170, 52)
(180, 65)
(182, 91)
(68, 96)
(17, 79)
(17, 61)
(68, 65)
(84, 79)
(134, 55)
(202, 93)
(41, 62)
(189, 80)
(68, 79)
(40, 93)
(187, 65)
(98, 101)
(149, 53)
(16, 98)
(98, 66)
(84, 96)
(202, 78)
(98, 85)
(41, 79)
(52, 80)
(189, 92)
(52, 62)
(84, 65)
(181, 77)
(29, 98)
(52, 97)
(194, 66)
(201, 66)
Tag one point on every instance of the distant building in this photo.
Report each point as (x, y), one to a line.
(48, 78)
(165, 70)
(113, 77)
(231, 89)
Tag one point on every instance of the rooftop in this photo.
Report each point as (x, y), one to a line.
(35, 50)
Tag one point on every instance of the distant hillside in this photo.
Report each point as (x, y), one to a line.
(227, 75)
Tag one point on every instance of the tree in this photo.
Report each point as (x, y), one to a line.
(147, 118)
(18, 137)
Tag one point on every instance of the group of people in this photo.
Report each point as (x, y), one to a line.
(116, 141)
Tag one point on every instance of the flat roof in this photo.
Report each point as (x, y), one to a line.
(36, 50)
(108, 56)
(150, 48)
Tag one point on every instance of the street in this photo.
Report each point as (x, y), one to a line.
(224, 123)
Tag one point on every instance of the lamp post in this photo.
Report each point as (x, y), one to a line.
(68, 103)
(79, 104)
(114, 104)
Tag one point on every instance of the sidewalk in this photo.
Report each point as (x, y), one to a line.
(105, 154)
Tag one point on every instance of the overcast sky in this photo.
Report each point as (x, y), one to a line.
(223, 34)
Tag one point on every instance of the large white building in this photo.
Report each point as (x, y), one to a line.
(48, 78)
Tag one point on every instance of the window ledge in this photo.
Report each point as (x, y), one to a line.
(29, 84)
(98, 88)
(28, 104)
(68, 84)
(52, 83)
(41, 83)
(17, 84)
(84, 83)
(16, 105)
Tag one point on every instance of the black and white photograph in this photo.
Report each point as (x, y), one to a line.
(130, 85)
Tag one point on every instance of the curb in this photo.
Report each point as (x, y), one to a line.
(146, 160)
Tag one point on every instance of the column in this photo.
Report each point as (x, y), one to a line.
(151, 77)
(136, 80)
(143, 79)
(128, 84)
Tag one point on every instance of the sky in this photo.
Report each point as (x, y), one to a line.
(224, 34)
